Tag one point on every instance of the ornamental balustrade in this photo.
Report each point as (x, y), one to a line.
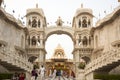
(14, 58)
(106, 58)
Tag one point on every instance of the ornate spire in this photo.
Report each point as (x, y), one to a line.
(82, 5)
(59, 21)
(37, 5)
(59, 47)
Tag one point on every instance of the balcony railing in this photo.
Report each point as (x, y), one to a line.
(104, 59)
(15, 59)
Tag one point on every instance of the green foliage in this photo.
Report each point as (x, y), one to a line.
(81, 65)
(107, 76)
(5, 76)
(36, 66)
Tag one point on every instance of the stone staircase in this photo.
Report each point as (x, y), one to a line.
(106, 61)
(13, 61)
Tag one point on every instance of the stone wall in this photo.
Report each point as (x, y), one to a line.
(107, 34)
(11, 34)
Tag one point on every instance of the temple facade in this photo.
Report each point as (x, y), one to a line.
(96, 48)
(59, 61)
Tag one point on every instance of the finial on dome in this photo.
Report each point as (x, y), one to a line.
(37, 5)
(82, 5)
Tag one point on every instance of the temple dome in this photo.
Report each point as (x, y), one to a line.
(59, 53)
(59, 47)
(82, 10)
(36, 10)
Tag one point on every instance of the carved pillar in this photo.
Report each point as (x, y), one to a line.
(88, 42)
(77, 40)
(41, 39)
(30, 41)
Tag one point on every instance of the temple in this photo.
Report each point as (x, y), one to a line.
(96, 48)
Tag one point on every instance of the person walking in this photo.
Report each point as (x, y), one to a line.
(33, 74)
(22, 76)
(42, 73)
(54, 73)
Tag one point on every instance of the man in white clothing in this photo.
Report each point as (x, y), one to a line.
(42, 73)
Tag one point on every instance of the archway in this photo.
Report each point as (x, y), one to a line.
(65, 41)
(86, 59)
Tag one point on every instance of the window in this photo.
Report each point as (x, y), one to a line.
(28, 40)
(89, 22)
(84, 22)
(79, 23)
(39, 23)
(33, 40)
(34, 23)
(85, 41)
(29, 22)
(79, 41)
(89, 40)
(0, 45)
(118, 45)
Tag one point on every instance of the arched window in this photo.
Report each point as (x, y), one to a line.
(34, 23)
(59, 55)
(28, 40)
(79, 23)
(39, 23)
(29, 22)
(84, 22)
(89, 23)
(33, 40)
(79, 41)
(89, 40)
(38, 41)
(85, 41)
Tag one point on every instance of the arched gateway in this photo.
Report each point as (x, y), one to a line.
(80, 33)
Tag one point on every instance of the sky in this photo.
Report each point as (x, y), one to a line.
(66, 10)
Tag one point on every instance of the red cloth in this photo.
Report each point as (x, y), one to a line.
(22, 78)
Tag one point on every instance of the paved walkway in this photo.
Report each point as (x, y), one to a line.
(59, 78)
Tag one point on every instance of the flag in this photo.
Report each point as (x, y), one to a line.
(13, 11)
(21, 17)
(104, 11)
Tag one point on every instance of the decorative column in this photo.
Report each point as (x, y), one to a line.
(88, 42)
(41, 58)
(41, 39)
(30, 41)
(77, 40)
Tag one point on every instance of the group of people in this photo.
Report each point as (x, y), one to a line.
(38, 74)
(18, 76)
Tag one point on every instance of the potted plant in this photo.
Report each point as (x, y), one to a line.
(81, 65)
